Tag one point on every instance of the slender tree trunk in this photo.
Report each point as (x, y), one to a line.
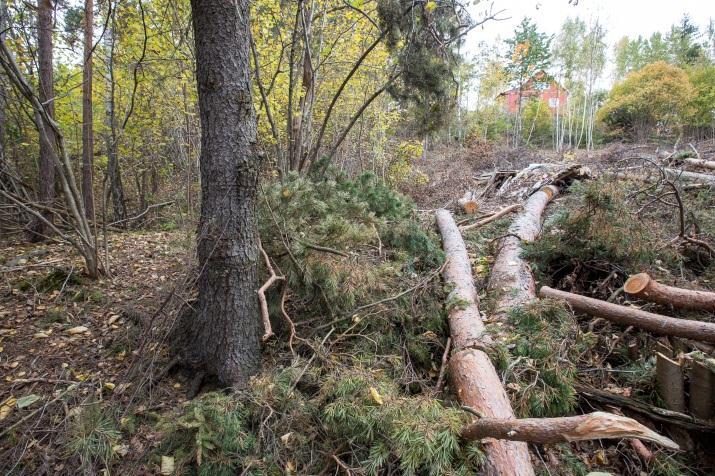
(116, 188)
(87, 116)
(40, 230)
(224, 336)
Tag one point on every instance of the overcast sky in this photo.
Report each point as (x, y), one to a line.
(620, 17)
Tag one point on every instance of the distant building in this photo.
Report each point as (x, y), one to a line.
(548, 90)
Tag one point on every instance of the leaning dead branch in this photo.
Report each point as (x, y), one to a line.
(631, 316)
(268, 330)
(593, 426)
(642, 286)
(492, 217)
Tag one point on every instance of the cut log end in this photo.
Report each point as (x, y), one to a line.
(636, 283)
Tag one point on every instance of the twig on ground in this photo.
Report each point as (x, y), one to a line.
(268, 330)
(443, 368)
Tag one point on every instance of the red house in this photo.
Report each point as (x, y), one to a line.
(549, 91)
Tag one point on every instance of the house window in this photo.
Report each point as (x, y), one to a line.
(553, 102)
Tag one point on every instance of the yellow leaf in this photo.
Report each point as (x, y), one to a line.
(430, 6)
(6, 407)
(109, 385)
(376, 397)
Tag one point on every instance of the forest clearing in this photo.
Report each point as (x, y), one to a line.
(355, 237)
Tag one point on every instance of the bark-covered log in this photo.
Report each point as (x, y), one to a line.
(473, 375)
(511, 279)
(630, 316)
(596, 425)
(706, 164)
(644, 287)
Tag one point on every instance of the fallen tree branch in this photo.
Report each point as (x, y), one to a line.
(652, 412)
(631, 316)
(146, 210)
(642, 286)
(492, 217)
(593, 426)
(268, 330)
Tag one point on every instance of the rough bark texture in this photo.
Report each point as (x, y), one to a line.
(671, 382)
(511, 279)
(116, 188)
(87, 116)
(38, 229)
(644, 287)
(630, 316)
(474, 378)
(224, 335)
(596, 425)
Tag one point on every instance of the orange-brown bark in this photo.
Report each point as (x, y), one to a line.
(644, 287)
(596, 425)
(630, 316)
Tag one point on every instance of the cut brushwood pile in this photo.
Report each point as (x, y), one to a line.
(475, 380)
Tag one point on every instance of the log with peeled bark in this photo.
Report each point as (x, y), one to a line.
(630, 316)
(472, 373)
(706, 164)
(644, 287)
(511, 279)
(469, 203)
(596, 425)
(690, 176)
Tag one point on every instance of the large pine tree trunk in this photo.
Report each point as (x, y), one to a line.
(38, 229)
(87, 116)
(224, 335)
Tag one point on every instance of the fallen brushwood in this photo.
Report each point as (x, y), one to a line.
(654, 413)
(492, 217)
(511, 277)
(472, 373)
(642, 286)
(593, 426)
(631, 316)
(706, 164)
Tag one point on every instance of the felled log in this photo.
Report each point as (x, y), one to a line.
(706, 164)
(642, 286)
(689, 176)
(469, 203)
(596, 425)
(630, 316)
(511, 279)
(671, 382)
(472, 373)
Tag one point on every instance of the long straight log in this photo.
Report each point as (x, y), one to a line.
(473, 375)
(511, 279)
(596, 425)
(630, 316)
(707, 164)
(690, 176)
(642, 286)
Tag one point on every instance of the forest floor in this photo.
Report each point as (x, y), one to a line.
(65, 339)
